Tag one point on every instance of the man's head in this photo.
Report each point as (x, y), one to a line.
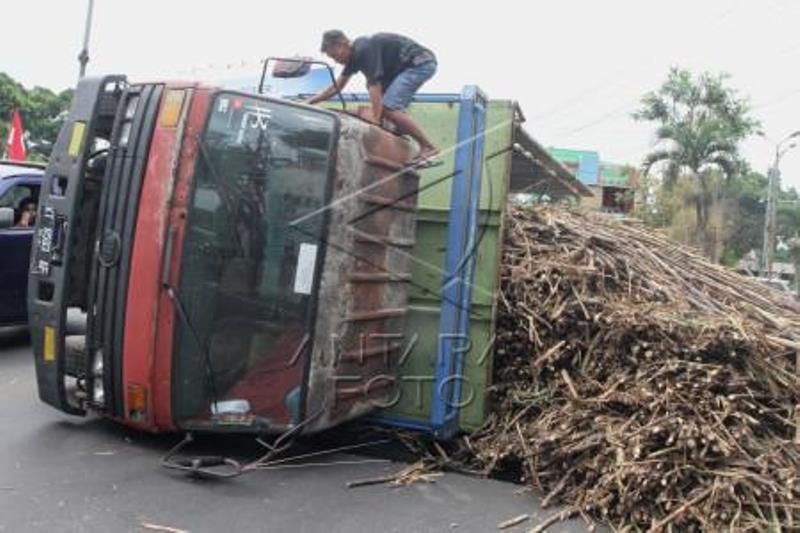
(336, 45)
(27, 212)
(27, 204)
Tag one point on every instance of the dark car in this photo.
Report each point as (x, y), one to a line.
(19, 198)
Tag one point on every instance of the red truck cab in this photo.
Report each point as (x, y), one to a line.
(240, 259)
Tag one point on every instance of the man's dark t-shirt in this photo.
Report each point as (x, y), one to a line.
(381, 57)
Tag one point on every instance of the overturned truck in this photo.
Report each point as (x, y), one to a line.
(247, 263)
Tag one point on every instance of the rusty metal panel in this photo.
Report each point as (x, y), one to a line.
(363, 294)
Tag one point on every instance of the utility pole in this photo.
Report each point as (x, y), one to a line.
(83, 57)
(773, 191)
(767, 253)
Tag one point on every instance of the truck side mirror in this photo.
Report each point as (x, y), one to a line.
(291, 68)
(6, 217)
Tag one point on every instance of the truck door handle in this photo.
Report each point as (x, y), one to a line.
(59, 239)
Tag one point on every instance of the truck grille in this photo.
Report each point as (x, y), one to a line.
(127, 162)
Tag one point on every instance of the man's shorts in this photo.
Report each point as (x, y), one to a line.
(398, 95)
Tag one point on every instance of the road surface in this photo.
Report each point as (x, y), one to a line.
(65, 474)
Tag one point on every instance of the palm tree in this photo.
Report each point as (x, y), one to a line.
(700, 123)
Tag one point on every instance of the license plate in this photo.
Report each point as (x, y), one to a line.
(43, 243)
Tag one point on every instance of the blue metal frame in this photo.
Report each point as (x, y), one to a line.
(459, 264)
(462, 231)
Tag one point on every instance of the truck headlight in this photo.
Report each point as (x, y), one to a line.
(98, 390)
(97, 364)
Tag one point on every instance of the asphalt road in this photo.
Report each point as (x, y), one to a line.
(59, 473)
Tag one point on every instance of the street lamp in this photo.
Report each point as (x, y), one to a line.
(83, 57)
(773, 188)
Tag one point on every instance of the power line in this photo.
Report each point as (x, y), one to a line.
(719, 21)
(620, 111)
(617, 112)
(639, 63)
(778, 99)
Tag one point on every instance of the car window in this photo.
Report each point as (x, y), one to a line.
(18, 195)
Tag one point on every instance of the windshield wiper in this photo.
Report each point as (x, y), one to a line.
(222, 188)
(209, 369)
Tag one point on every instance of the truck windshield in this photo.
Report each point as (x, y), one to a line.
(248, 267)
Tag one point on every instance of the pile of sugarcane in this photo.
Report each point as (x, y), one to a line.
(638, 383)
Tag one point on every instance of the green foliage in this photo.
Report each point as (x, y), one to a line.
(736, 218)
(729, 257)
(787, 219)
(745, 205)
(43, 113)
(699, 121)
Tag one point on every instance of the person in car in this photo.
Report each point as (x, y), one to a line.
(26, 217)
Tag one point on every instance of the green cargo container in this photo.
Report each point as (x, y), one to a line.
(415, 403)
(485, 151)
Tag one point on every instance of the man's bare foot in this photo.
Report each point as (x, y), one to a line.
(427, 152)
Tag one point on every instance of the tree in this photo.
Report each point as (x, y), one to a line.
(745, 205)
(43, 113)
(700, 124)
(794, 254)
(12, 96)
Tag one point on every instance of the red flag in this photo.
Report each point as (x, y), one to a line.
(15, 146)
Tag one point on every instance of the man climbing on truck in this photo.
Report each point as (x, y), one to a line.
(395, 67)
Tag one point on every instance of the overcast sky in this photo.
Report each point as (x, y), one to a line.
(577, 67)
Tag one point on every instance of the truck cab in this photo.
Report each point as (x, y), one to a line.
(239, 259)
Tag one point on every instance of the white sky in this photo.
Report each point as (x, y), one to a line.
(577, 67)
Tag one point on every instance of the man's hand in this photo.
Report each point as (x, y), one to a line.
(317, 98)
(27, 220)
(337, 86)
